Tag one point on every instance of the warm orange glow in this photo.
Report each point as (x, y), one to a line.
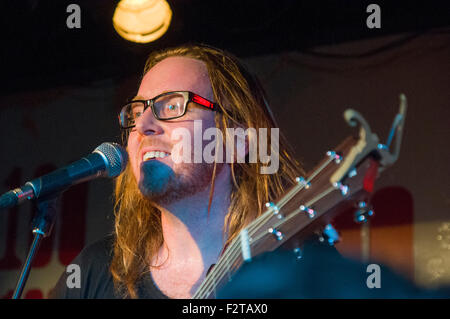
(142, 21)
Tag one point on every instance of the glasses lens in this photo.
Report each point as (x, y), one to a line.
(130, 113)
(170, 106)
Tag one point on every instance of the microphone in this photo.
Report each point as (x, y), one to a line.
(107, 160)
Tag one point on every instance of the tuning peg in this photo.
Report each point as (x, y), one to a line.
(278, 235)
(335, 156)
(301, 180)
(276, 210)
(352, 173)
(330, 235)
(272, 205)
(343, 188)
(363, 212)
(298, 253)
(311, 212)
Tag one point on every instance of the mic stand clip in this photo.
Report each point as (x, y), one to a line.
(41, 227)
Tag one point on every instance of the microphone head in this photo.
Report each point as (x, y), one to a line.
(116, 156)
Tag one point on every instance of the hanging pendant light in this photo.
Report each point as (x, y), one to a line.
(142, 21)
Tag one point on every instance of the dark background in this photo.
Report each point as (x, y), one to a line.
(37, 43)
(61, 90)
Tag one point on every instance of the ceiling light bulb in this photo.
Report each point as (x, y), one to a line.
(142, 21)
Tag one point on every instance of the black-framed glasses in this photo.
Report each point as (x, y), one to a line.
(166, 106)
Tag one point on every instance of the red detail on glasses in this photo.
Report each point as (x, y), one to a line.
(198, 99)
(371, 176)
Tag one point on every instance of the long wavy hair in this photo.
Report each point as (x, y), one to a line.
(138, 231)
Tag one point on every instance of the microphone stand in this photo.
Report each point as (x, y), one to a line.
(41, 227)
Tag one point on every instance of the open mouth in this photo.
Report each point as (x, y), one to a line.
(154, 155)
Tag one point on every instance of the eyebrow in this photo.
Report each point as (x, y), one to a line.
(137, 97)
(140, 97)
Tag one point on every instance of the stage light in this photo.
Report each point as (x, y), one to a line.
(142, 21)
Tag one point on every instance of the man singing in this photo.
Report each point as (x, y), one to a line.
(174, 218)
(177, 210)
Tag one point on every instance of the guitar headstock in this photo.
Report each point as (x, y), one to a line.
(343, 179)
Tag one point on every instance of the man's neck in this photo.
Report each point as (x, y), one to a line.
(193, 238)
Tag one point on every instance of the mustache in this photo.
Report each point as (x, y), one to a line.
(155, 144)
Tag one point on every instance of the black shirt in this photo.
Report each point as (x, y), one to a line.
(321, 273)
(96, 279)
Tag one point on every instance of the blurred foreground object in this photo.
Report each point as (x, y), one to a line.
(321, 273)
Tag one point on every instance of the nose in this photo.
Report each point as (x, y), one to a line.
(147, 124)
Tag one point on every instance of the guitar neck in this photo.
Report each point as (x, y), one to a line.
(288, 222)
(343, 179)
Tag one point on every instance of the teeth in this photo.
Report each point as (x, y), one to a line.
(155, 154)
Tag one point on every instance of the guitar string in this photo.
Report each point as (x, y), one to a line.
(256, 224)
(288, 197)
(298, 210)
(234, 244)
(268, 216)
(234, 251)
